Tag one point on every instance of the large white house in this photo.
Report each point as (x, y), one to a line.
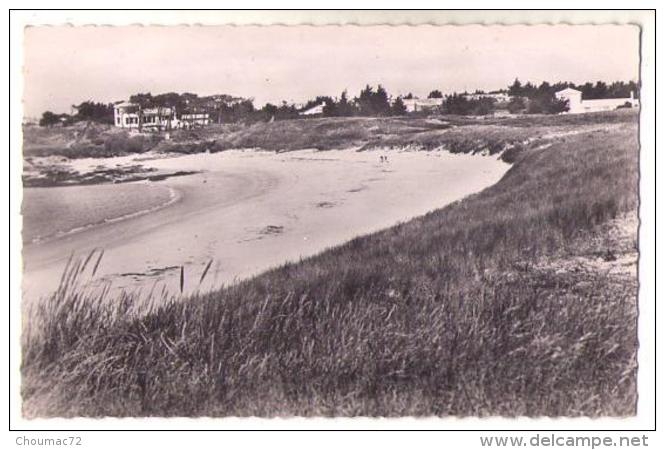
(133, 117)
(576, 105)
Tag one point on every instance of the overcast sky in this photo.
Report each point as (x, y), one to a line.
(67, 65)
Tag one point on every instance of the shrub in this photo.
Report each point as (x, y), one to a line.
(121, 144)
(516, 105)
(546, 104)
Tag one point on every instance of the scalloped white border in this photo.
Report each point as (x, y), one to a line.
(336, 17)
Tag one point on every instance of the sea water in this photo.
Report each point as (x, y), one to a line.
(50, 212)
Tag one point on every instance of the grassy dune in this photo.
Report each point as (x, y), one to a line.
(84, 140)
(455, 133)
(473, 309)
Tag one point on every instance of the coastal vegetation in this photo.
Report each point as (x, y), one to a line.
(525, 98)
(519, 300)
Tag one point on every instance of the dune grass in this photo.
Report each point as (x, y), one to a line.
(459, 134)
(463, 311)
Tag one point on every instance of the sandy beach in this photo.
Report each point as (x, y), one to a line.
(248, 211)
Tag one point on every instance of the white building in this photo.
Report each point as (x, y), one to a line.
(314, 110)
(126, 115)
(161, 118)
(189, 120)
(501, 97)
(576, 105)
(422, 104)
(131, 116)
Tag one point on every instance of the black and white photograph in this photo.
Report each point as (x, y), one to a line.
(330, 221)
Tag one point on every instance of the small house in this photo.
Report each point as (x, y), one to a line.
(315, 110)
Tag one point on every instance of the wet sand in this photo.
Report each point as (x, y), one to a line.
(248, 211)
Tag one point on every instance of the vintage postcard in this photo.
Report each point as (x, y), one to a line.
(330, 220)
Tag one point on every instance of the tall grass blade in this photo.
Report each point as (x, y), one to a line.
(99, 259)
(205, 271)
(87, 260)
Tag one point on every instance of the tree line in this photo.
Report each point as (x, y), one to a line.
(86, 111)
(371, 101)
(590, 91)
(527, 98)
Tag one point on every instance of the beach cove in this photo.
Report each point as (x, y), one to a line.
(241, 213)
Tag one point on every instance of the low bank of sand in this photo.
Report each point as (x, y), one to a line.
(248, 211)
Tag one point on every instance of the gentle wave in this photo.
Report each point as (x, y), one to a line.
(174, 196)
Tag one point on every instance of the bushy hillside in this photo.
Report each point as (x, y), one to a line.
(454, 133)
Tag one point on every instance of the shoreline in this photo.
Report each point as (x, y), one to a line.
(174, 196)
(250, 211)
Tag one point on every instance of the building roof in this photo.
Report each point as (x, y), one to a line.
(423, 101)
(486, 94)
(569, 91)
(316, 109)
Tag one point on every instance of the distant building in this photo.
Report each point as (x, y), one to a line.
(422, 104)
(194, 119)
(133, 117)
(576, 105)
(501, 97)
(126, 115)
(161, 118)
(314, 110)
